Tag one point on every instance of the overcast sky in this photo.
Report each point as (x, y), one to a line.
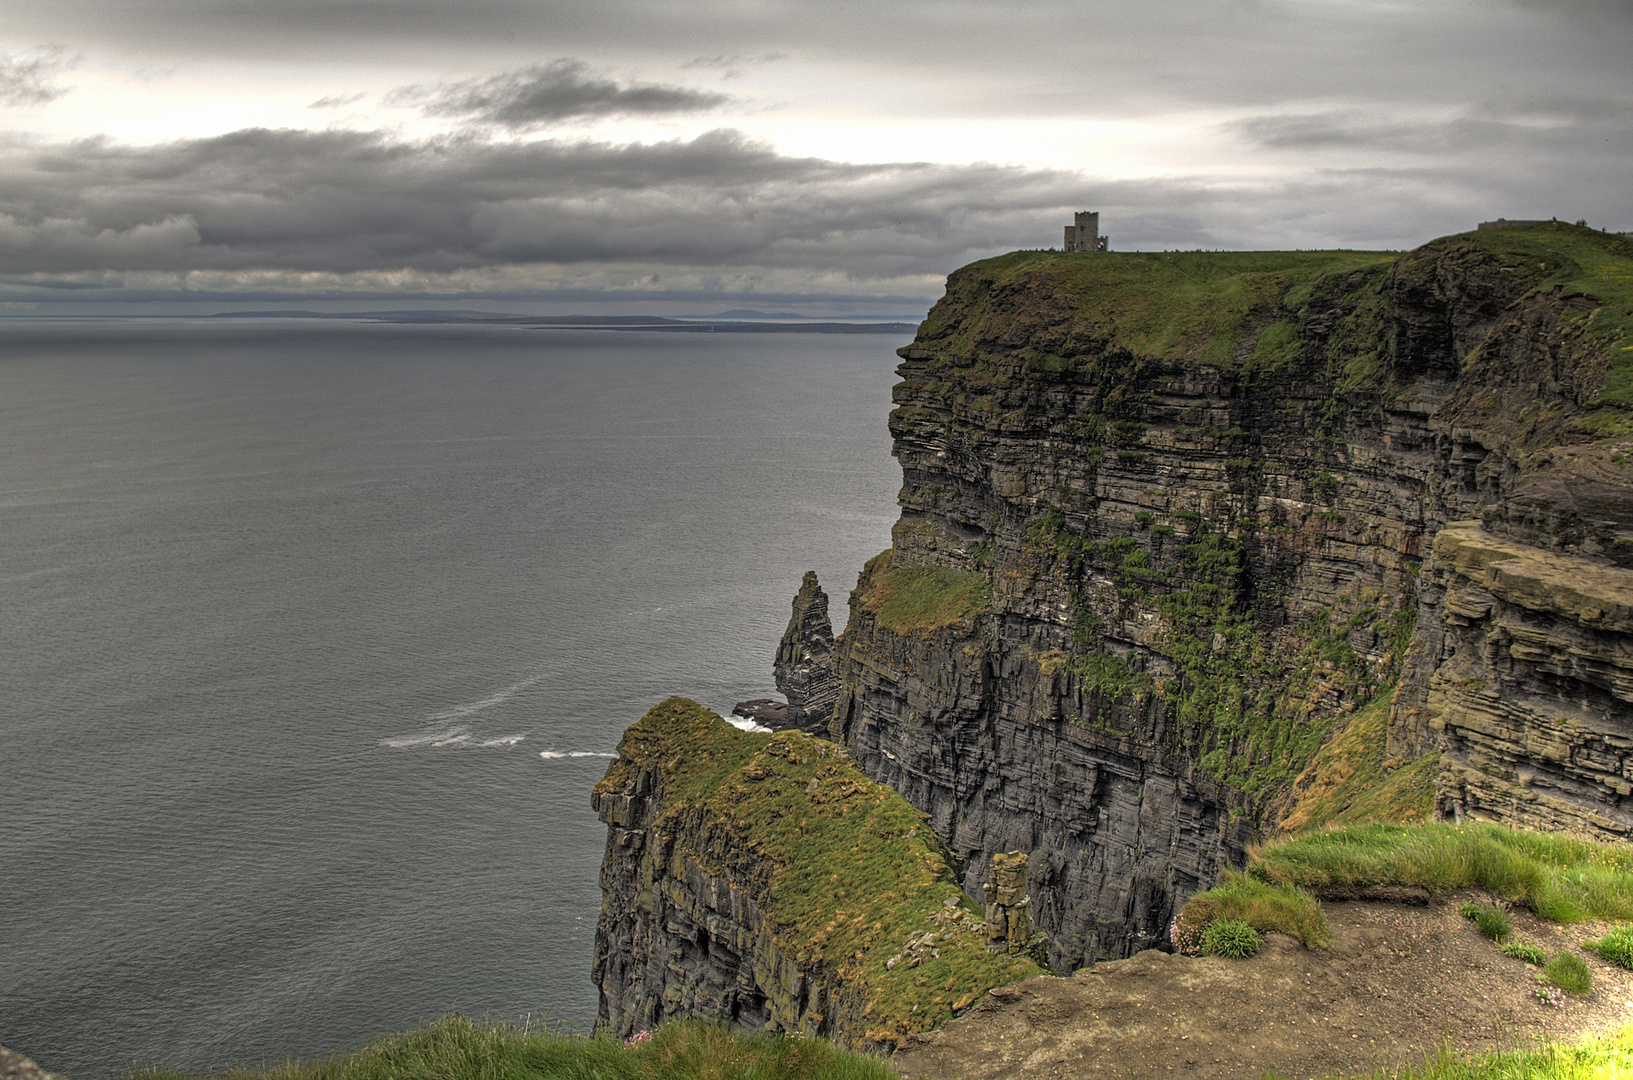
(821, 156)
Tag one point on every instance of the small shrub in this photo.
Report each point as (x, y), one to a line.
(1570, 974)
(1616, 946)
(1468, 910)
(1230, 938)
(1524, 950)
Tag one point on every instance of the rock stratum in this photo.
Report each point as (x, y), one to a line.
(1174, 529)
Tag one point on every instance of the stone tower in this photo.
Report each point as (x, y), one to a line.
(1084, 234)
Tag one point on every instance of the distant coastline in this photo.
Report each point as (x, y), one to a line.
(731, 322)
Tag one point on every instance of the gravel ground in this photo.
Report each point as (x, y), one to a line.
(1397, 984)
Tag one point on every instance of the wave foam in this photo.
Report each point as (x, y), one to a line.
(447, 736)
(441, 733)
(555, 755)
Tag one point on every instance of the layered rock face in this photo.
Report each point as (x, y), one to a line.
(804, 668)
(1168, 519)
(763, 880)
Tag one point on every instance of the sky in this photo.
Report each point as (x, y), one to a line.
(825, 157)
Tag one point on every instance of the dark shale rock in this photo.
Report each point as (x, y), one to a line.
(767, 712)
(804, 668)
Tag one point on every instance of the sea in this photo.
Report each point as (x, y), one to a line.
(315, 636)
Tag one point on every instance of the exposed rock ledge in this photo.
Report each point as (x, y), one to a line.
(763, 880)
(1519, 625)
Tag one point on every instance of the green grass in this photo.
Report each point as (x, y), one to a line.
(1491, 923)
(854, 869)
(921, 599)
(1524, 950)
(1560, 878)
(1345, 783)
(1570, 974)
(1616, 946)
(1593, 1059)
(1230, 938)
(1285, 908)
(458, 1048)
(1193, 307)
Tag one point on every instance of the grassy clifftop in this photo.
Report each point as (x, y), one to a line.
(1260, 311)
(853, 877)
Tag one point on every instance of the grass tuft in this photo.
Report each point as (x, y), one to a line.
(459, 1048)
(1230, 938)
(1616, 946)
(1524, 950)
(1491, 923)
(1284, 908)
(1592, 1059)
(1560, 878)
(1568, 972)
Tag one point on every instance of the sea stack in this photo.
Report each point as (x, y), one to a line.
(805, 668)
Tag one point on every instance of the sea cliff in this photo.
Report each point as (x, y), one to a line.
(1171, 523)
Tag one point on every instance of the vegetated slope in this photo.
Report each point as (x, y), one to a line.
(1170, 520)
(459, 1048)
(764, 880)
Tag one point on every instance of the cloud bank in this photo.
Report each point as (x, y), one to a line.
(343, 210)
(26, 79)
(550, 93)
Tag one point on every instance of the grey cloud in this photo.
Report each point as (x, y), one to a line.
(260, 211)
(1537, 125)
(1045, 57)
(26, 79)
(547, 93)
(336, 101)
(345, 202)
(733, 66)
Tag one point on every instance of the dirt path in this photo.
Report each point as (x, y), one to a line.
(1396, 984)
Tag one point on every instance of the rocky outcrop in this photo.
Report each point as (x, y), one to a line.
(1533, 694)
(1009, 927)
(1167, 520)
(763, 880)
(14, 1066)
(804, 668)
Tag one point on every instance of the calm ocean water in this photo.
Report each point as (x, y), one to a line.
(314, 637)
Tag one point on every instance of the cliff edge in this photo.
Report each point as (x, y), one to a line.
(1170, 521)
(764, 880)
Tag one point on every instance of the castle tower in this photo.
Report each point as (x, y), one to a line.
(1084, 234)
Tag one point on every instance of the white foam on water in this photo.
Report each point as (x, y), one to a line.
(440, 733)
(441, 737)
(498, 697)
(556, 755)
(745, 724)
